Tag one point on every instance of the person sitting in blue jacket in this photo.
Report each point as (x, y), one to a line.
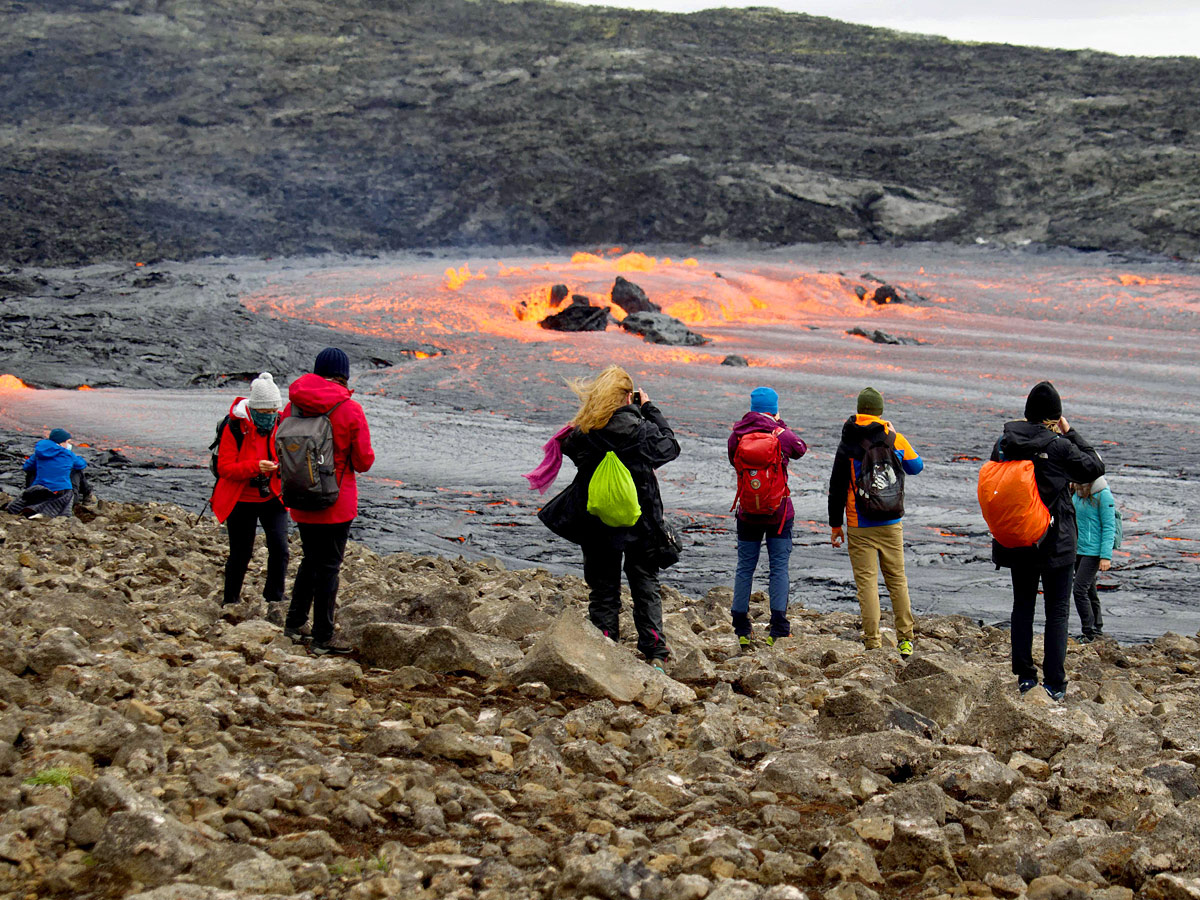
(53, 476)
(1095, 517)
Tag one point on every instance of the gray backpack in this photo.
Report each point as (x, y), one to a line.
(304, 445)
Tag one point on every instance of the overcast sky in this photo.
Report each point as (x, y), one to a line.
(1131, 27)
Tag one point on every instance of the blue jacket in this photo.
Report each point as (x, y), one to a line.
(1096, 520)
(52, 465)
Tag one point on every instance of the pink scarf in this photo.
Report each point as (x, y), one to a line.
(543, 476)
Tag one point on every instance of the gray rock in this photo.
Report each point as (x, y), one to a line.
(60, 647)
(260, 875)
(438, 649)
(573, 656)
(918, 844)
(977, 776)
(148, 847)
(577, 317)
(659, 328)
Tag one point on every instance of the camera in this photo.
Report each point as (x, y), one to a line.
(263, 483)
(637, 398)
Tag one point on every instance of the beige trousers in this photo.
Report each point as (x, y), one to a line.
(873, 549)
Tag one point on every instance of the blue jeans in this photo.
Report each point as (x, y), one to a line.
(779, 549)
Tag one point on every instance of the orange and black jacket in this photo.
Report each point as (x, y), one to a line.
(847, 463)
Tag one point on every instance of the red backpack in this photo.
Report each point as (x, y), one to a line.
(761, 479)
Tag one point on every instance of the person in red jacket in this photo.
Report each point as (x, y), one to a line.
(247, 491)
(323, 533)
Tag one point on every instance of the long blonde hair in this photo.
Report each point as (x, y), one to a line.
(599, 397)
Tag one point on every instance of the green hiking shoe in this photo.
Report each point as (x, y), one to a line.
(744, 643)
(771, 639)
(905, 648)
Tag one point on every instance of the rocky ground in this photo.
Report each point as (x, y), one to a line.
(484, 742)
(153, 129)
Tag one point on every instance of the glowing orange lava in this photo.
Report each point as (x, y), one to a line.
(12, 383)
(456, 278)
(85, 387)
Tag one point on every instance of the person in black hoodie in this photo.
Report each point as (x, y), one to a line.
(1060, 456)
(613, 416)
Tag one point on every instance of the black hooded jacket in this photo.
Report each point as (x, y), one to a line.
(1058, 460)
(643, 441)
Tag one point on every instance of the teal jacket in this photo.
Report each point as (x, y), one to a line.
(1096, 521)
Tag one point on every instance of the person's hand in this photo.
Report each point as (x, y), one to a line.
(835, 536)
(1105, 565)
(266, 466)
(645, 396)
(1063, 425)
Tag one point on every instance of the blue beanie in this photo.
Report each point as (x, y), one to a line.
(60, 435)
(764, 400)
(332, 361)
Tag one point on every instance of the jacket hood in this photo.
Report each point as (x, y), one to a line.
(623, 424)
(861, 426)
(757, 421)
(237, 409)
(315, 394)
(1100, 484)
(47, 449)
(1025, 440)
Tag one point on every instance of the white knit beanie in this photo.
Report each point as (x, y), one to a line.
(264, 394)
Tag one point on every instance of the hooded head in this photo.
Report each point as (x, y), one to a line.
(1043, 403)
(870, 402)
(264, 393)
(60, 435)
(332, 363)
(764, 400)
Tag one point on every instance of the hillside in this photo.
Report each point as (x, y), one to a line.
(177, 128)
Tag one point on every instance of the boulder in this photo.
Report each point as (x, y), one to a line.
(942, 698)
(859, 711)
(1005, 721)
(558, 293)
(735, 360)
(917, 844)
(577, 317)
(659, 328)
(60, 647)
(149, 847)
(391, 645)
(631, 298)
(574, 656)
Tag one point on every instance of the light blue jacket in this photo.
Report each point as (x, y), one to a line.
(1096, 521)
(52, 465)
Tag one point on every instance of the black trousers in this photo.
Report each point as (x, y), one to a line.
(1056, 588)
(241, 525)
(1087, 601)
(317, 579)
(602, 572)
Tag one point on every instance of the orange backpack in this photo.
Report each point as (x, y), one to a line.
(1011, 504)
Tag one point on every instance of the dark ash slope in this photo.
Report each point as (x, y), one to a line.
(177, 128)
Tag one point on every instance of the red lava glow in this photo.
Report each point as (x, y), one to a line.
(13, 383)
(85, 387)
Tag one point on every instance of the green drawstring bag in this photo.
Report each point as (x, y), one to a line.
(611, 494)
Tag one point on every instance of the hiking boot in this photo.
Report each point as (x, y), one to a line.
(772, 638)
(330, 649)
(905, 649)
(37, 516)
(1053, 694)
(659, 664)
(744, 643)
(1025, 685)
(1085, 638)
(296, 635)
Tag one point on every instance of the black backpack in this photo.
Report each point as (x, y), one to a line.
(304, 446)
(214, 448)
(879, 491)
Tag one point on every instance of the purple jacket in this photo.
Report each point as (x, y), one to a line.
(792, 446)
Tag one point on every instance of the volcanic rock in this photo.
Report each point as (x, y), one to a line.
(572, 655)
(659, 328)
(441, 649)
(631, 298)
(558, 293)
(735, 360)
(880, 337)
(577, 317)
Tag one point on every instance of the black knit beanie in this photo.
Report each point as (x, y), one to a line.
(1043, 404)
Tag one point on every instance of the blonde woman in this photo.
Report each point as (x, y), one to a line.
(614, 416)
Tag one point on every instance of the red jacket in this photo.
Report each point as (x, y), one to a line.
(351, 443)
(236, 467)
